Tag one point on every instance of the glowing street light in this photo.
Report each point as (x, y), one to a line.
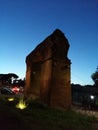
(92, 97)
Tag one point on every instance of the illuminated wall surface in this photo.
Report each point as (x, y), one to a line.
(48, 72)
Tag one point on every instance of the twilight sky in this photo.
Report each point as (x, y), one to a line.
(26, 23)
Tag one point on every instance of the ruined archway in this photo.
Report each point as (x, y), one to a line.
(48, 71)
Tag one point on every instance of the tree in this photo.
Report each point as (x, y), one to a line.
(94, 77)
(19, 82)
(7, 78)
(12, 75)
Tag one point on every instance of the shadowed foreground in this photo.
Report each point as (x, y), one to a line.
(39, 117)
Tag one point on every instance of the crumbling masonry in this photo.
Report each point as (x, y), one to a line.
(48, 72)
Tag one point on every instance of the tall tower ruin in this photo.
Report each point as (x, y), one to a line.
(48, 72)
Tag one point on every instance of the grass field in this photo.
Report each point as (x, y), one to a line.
(39, 117)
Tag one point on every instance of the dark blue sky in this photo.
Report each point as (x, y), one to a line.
(26, 23)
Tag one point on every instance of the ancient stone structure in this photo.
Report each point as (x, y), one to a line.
(48, 72)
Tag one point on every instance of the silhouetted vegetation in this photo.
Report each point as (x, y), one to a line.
(10, 80)
(6, 79)
(94, 77)
(19, 82)
(85, 96)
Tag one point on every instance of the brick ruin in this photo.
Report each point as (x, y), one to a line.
(48, 72)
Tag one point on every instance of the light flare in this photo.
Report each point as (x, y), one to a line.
(21, 105)
(10, 99)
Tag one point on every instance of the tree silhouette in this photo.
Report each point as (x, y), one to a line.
(19, 82)
(94, 77)
(7, 78)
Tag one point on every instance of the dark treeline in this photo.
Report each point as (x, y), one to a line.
(11, 79)
(85, 95)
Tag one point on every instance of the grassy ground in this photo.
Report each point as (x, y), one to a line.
(39, 117)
